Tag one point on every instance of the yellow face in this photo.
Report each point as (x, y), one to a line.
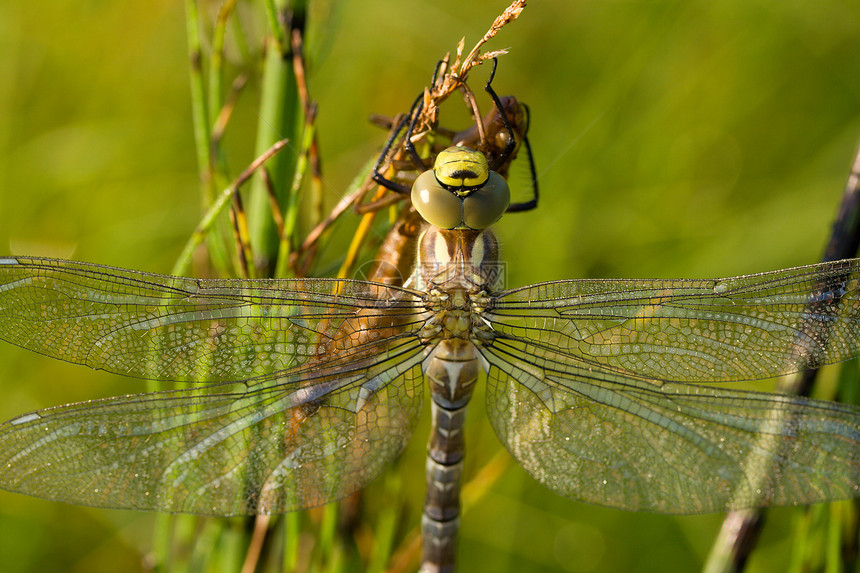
(462, 169)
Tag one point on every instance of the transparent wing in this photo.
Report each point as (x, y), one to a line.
(265, 449)
(196, 330)
(317, 387)
(673, 448)
(740, 328)
(588, 389)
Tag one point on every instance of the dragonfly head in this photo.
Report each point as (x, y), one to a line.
(461, 192)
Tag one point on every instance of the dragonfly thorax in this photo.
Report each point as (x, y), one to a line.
(457, 259)
(458, 269)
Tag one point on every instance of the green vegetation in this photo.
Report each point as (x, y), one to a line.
(672, 139)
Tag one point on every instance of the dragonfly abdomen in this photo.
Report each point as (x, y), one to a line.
(452, 371)
(441, 520)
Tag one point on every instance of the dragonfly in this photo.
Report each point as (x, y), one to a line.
(604, 390)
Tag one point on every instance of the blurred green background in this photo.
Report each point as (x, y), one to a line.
(673, 139)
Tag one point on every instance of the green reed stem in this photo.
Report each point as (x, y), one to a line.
(281, 117)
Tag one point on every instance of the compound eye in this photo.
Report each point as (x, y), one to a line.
(439, 206)
(487, 204)
(461, 192)
(461, 168)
